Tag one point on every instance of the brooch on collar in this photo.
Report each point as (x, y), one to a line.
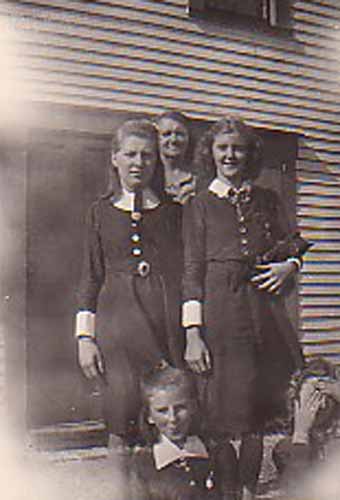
(240, 196)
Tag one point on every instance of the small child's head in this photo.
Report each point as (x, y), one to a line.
(231, 150)
(169, 404)
(134, 153)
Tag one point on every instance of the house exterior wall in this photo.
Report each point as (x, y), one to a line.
(149, 55)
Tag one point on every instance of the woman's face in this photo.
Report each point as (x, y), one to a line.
(230, 154)
(173, 138)
(171, 411)
(135, 161)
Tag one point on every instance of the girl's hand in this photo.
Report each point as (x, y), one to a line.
(184, 190)
(330, 388)
(90, 358)
(273, 276)
(305, 410)
(196, 353)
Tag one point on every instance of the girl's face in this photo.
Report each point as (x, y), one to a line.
(230, 154)
(135, 161)
(171, 411)
(173, 138)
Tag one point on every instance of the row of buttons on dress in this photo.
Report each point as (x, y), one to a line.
(142, 266)
(244, 230)
(209, 482)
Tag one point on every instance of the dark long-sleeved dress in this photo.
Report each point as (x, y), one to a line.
(253, 345)
(134, 324)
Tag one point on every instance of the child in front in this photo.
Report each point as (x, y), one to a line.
(175, 463)
(239, 252)
(121, 323)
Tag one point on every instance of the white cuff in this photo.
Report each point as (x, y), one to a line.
(85, 324)
(192, 313)
(296, 261)
(300, 438)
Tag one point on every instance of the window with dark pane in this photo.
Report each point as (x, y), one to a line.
(269, 12)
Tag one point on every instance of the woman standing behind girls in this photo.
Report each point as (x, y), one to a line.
(175, 184)
(122, 279)
(175, 177)
(237, 331)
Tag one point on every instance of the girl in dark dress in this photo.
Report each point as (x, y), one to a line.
(175, 463)
(238, 254)
(122, 320)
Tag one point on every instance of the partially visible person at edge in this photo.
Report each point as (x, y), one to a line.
(122, 278)
(314, 407)
(239, 252)
(175, 462)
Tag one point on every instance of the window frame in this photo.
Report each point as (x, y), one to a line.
(277, 17)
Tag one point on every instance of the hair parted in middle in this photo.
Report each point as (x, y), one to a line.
(139, 127)
(232, 124)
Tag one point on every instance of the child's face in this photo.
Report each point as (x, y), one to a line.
(173, 138)
(135, 161)
(230, 154)
(171, 410)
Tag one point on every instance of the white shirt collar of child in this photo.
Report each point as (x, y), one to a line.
(126, 200)
(222, 188)
(166, 452)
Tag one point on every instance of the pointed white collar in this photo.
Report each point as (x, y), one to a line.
(222, 188)
(166, 452)
(125, 200)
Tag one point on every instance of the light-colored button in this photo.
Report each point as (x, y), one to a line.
(136, 216)
(136, 252)
(243, 229)
(244, 241)
(241, 218)
(192, 482)
(135, 237)
(245, 251)
(143, 268)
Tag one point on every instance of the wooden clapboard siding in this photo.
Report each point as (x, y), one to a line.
(149, 55)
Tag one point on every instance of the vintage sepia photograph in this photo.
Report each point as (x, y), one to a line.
(170, 249)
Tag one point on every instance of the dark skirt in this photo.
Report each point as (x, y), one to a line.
(133, 337)
(252, 357)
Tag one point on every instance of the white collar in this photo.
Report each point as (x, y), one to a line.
(125, 200)
(166, 452)
(222, 188)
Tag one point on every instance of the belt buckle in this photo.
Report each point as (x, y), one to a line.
(143, 268)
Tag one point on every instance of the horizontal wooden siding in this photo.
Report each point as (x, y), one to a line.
(149, 55)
